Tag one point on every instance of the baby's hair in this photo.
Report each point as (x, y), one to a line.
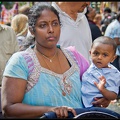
(105, 40)
(36, 11)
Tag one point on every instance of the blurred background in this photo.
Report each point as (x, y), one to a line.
(10, 9)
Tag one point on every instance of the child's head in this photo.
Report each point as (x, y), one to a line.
(103, 51)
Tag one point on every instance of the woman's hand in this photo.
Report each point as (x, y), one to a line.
(62, 112)
(101, 102)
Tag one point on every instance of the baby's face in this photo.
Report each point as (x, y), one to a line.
(102, 54)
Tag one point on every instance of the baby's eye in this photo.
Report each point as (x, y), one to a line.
(96, 53)
(105, 55)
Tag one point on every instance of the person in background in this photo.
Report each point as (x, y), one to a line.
(118, 9)
(102, 78)
(106, 14)
(45, 77)
(19, 24)
(113, 31)
(8, 46)
(97, 19)
(29, 38)
(106, 19)
(24, 9)
(90, 14)
(75, 29)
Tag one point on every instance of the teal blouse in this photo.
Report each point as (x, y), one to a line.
(46, 88)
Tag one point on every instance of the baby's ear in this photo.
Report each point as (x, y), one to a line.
(114, 57)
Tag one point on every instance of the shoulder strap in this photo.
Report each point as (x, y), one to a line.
(29, 61)
(79, 59)
(33, 68)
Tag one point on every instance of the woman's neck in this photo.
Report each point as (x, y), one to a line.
(46, 52)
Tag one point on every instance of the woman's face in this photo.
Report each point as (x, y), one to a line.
(47, 29)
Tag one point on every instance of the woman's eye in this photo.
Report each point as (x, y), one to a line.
(42, 25)
(55, 23)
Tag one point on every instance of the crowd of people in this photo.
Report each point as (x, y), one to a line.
(51, 51)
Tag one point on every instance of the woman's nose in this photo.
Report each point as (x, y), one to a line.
(51, 30)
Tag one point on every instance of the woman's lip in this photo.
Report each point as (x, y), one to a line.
(51, 38)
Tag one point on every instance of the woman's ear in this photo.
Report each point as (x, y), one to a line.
(114, 57)
(31, 31)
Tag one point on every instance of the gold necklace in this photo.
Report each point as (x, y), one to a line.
(50, 59)
(65, 85)
(63, 92)
(46, 63)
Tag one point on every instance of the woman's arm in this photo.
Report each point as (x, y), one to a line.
(12, 93)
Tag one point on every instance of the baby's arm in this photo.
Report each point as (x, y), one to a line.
(110, 95)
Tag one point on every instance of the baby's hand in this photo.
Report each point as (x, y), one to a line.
(101, 84)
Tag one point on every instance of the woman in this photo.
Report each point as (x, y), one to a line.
(45, 77)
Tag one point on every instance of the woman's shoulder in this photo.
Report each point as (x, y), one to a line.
(21, 54)
(76, 52)
(71, 48)
(17, 56)
(81, 61)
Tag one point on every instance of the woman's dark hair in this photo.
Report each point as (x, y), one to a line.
(35, 12)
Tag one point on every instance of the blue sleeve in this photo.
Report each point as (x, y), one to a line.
(16, 67)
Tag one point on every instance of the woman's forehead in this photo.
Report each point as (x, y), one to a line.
(47, 13)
